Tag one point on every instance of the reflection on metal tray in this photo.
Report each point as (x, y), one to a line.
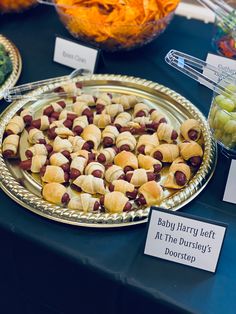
(26, 189)
(16, 63)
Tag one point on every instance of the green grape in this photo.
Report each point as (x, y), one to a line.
(219, 99)
(233, 115)
(221, 118)
(227, 104)
(231, 87)
(230, 127)
(227, 139)
(218, 134)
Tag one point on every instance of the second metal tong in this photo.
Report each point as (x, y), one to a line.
(193, 67)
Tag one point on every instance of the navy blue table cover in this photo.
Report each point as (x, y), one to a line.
(47, 267)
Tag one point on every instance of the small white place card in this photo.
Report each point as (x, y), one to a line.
(230, 195)
(222, 63)
(184, 239)
(75, 55)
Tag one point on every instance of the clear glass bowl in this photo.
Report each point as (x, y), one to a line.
(110, 31)
(222, 120)
(12, 6)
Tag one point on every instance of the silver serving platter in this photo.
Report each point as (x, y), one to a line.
(26, 190)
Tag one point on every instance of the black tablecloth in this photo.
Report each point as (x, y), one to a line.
(48, 267)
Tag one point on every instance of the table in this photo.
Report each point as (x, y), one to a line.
(51, 268)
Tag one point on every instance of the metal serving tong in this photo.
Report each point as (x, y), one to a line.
(21, 92)
(223, 11)
(188, 65)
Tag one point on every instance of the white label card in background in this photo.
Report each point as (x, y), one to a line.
(179, 238)
(75, 55)
(230, 189)
(222, 63)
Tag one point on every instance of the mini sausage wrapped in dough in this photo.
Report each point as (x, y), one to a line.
(92, 135)
(57, 106)
(55, 193)
(10, 146)
(67, 115)
(95, 169)
(113, 110)
(83, 153)
(166, 133)
(179, 174)
(36, 136)
(141, 110)
(127, 101)
(38, 149)
(53, 174)
(58, 159)
(27, 115)
(149, 163)
(147, 143)
(60, 145)
(150, 193)
(114, 173)
(122, 119)
(78, 143)
(42, 123)
(115, 202)
(102, 101)
(81, 109)
(126, 141)
(15, 126)
(77, 167)
(109, 135)
(102, 120)
(89, 184)
(126, 160)
(89, 99)
(190, 130)
(166, 152)
(192, 152)
(34, 164)
(107, 155)
(79, 124)
(84, 202)
(157, 116)
(124, 187)
(140, 176)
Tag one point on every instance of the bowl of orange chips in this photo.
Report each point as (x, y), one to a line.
(116, 24)
(10, 6)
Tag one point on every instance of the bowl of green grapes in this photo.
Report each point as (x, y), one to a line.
(222, 119)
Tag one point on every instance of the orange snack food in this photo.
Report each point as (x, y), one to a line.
(15, 5)
(116, 24)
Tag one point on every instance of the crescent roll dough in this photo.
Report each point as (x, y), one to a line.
(124, 159)
(103, 99)
(190, 149)
(89, 99)
(141, 107)
(149, 142)
(157, 116)
(78, 163)
(58, 159)
(16, 125)
(79, 107)
(92, 133)
(164, 132)
(54, 192)
(127, 101)
(115, 202)
(147, 162)
(126, 138)
(122, 119)
(123, 186)
(90, 184)
(111, 132)
(83, 202)
(152, 192)
(177, 165)
(113, 173)
(169, 152)
(53, 174)
(114, 109)
(102, 120)
(188, 125)
(93, 166)
(81, 121)
(60, 145)
(11, 143)
(109, 154)
(77, 142)
(38, 162)
(35, 136)
(139, 177)
(38, 149)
